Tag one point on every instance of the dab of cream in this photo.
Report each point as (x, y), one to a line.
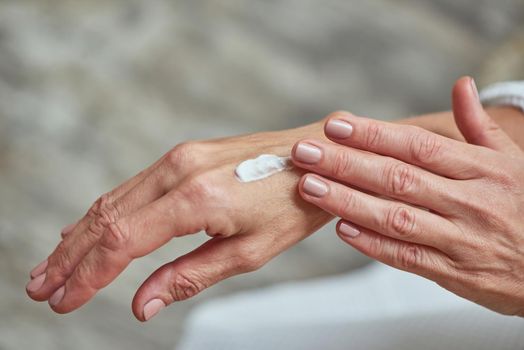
(261, 167)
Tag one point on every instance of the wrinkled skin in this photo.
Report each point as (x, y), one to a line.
(446, 210)
(191, 188)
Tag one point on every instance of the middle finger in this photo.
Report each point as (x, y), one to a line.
(378, 174)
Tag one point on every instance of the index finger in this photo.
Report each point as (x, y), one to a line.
(414, 145)
(129, 237)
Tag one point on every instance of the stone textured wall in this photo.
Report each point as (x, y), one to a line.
(93, 91)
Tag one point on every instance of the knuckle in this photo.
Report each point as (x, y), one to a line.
(399, 179)
(400, 222)
(249, 258)
(506, 176)
(94, 209)
(183, 155)
(185, 285)
(341, 163)
(104, 210)
(107, 209)
(424, 146)
(203, 189)
(251, 264)
(115, 237)
(347, 204)
(376, 246)
(374, 135)
(408, 257)
(103, 213)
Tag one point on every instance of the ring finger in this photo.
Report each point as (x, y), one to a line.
(389, 218)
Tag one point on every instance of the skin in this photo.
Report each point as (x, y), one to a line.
(443, 209)
(248, 223)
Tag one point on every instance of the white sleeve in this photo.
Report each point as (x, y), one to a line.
(510, 93)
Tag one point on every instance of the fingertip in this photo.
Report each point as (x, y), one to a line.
(308, 177)
(56, 299)
(307, 153)
(294, 152)
(156, 286)
(39, 269)
(338, 126)
(152, 308)
(67, 229)
(464, 92)
(347, 231)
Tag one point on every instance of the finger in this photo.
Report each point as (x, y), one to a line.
(397, 220)
(129, 237)
(68, 229)
(40, 269)
(214, 261)
(77, 244)
(378, 174)
(419, 259)
(411, 144)
(475, 123)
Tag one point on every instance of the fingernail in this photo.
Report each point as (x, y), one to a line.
(315, 187)
(67, 230)
(35, 283)
(307, 153)
(474, 88)
(338, 129)
(57, 296)
(153, 307)
(39, 269)
(348, 230)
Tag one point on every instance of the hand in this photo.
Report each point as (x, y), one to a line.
(446, 210)
(191, 188)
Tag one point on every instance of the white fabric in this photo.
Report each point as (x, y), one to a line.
(510, 93)
(374, 308)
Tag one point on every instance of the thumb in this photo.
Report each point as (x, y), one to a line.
(475, 124)
(183, 278)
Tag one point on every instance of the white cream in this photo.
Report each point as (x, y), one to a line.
(261, 167)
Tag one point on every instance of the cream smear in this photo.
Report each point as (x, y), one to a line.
(261, 167)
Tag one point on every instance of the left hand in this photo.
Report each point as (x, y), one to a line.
(446, 210)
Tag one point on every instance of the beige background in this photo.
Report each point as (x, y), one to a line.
(93, 91)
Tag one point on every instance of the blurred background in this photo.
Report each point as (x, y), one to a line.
(93, 91)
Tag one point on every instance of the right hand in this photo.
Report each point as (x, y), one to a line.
(191, 188)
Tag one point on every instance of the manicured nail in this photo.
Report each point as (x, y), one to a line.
(35, 283)
(39, 269)
(57, 296)
(153, 307)
(348, 230)
(474, 88)
(67, 230)
(315, 187)
(307, 153)
(338, 129)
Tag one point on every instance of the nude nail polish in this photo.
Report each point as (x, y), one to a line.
(338, 129)
(39, 269)
(153, 307)
(474, 88)
(307, 153)
(68, 229)
(36, 283)
(57, 296)
(348, 230)
(315, 187)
